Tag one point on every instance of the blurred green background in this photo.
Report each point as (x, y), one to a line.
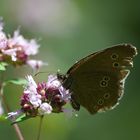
(68, 30)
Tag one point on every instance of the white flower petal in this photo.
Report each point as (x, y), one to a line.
(45, 108)
(11, 52)
(35, 101)
(17, 39)
(12, 115)
(30, 89)
(65, 94)
(35, 64)
(53, 81)
(3, 40)
(31, 48)
(31, 86)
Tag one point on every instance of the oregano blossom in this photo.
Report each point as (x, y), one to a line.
(42, 98)
(17, 50)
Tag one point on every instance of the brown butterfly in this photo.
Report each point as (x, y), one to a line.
(96, 82)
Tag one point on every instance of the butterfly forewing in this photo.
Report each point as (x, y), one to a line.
(103, 59)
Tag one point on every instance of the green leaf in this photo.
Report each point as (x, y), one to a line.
(18, 81)
(4, 63)
(3, 66)
(21, 118)
(2, 118)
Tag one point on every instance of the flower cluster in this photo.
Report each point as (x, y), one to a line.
(16, 50)
(43, 98)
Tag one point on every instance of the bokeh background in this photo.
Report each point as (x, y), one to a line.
(68, 30)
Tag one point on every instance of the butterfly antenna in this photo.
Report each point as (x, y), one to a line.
(42, 72)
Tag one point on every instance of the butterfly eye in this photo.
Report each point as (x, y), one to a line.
(106, 78)
(116, 64)
(100, 102)
(103, 83)
(106, 95)
(114, 56)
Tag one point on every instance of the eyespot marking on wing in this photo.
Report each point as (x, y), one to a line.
(116, 64)
(114, 56)
(106, 96)
(100, 102)
(103, 83)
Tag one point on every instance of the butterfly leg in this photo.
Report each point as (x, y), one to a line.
(74, 104)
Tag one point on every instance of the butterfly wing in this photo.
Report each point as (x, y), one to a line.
(97, 81)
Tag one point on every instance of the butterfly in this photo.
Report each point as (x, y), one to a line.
(96, 82)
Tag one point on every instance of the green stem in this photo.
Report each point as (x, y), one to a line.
(16, 127)
(40, 125)
(18, 132)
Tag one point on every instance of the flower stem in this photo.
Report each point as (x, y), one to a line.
(16, 127)
(39, 130)
(18, 132)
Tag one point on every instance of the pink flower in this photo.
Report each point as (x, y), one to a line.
(30, 47)
(52, 93)
(43, 98)
(35, 100)
(11, 52)
(55, 83)
(3, 38)
(31, 93)
(17, 50)
(56, 93)
(31, 85)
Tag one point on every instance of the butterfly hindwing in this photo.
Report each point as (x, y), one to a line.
(97, 91)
